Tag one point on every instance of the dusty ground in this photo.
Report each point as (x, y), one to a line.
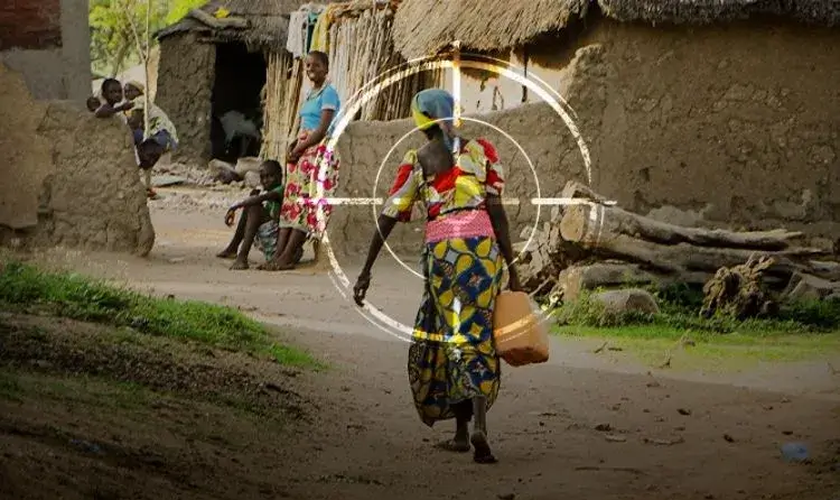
(670, 434)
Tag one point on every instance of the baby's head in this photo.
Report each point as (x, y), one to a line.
(93, 103)
(271, 174)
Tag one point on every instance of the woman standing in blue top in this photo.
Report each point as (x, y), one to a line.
(306, 158)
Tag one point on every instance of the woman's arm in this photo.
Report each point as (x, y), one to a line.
(318, 134)
(494, 185)
(404, 192)
(384, 226)
(499, 220)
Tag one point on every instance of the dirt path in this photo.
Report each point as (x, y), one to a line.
(669, 436)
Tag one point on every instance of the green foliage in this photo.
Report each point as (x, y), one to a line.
(679, 311)
(180, 8)
(115, 28)
(113, 43)
(68, 295)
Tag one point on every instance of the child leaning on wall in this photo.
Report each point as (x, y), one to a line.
(112, 94)
(259, 219)
(161, 128)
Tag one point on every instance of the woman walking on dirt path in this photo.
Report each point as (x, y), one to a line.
(307, 157)
(453, 367)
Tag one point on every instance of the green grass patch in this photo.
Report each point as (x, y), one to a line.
(798, 331)
(26, 288)
(679, 312)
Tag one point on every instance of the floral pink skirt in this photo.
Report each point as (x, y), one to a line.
(301, 199)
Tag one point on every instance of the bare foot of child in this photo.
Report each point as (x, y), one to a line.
(227, 254)
(239, 265)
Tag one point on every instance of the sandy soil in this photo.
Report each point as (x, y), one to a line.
(581, 426)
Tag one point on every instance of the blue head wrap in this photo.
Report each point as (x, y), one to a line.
(434, 104)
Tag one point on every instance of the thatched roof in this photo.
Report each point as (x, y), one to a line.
(259, 23)
(424, 27)
(698, 12)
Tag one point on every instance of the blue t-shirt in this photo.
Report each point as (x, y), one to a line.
(310, 113)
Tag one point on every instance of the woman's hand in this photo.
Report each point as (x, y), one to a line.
(513, 280)
(361, 287)
(295, 154)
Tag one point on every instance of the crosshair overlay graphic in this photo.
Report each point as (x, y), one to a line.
(508, 201)
(390, 77)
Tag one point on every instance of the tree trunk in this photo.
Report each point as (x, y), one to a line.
(587, 224)
(119, 58)
(145, 60)
(615, 233)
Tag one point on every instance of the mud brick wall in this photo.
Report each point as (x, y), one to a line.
(185, 90)
(732, 126)
(30, 24)
(48, 42)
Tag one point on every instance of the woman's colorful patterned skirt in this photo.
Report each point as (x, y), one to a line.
(300, 200)
(452, 357)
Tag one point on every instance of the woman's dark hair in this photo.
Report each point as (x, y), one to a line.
(321, 56)
(108, 82)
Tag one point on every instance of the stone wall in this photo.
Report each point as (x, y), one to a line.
(68, 178)
(185, 89)
(696, 126)
(48, 41)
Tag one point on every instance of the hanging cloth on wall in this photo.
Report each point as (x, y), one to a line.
(295, 43)
(301, 27)
(321, 31)
(310, 29)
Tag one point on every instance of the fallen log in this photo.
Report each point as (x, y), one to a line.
(589, 223)
(683, 258)
(579, 277)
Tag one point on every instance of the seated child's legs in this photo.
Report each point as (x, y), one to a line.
(267, 238)
(255, 217)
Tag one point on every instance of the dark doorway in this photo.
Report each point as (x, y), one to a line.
(237, 107)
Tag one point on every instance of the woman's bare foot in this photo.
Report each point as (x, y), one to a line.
(239, 265)
(227, 253)
(454, 445)
(483, 454)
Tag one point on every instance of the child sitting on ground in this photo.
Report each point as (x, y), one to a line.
(259, 219)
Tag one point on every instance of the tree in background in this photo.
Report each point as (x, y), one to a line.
(115, 24)
(180, 8)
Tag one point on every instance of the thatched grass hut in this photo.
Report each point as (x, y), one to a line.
(210, 65)
(698, 110)
(540, 36)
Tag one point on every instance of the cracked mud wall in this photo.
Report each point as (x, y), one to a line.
(727, 126)
(69, 179)
(185, 90)
(734, 124)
